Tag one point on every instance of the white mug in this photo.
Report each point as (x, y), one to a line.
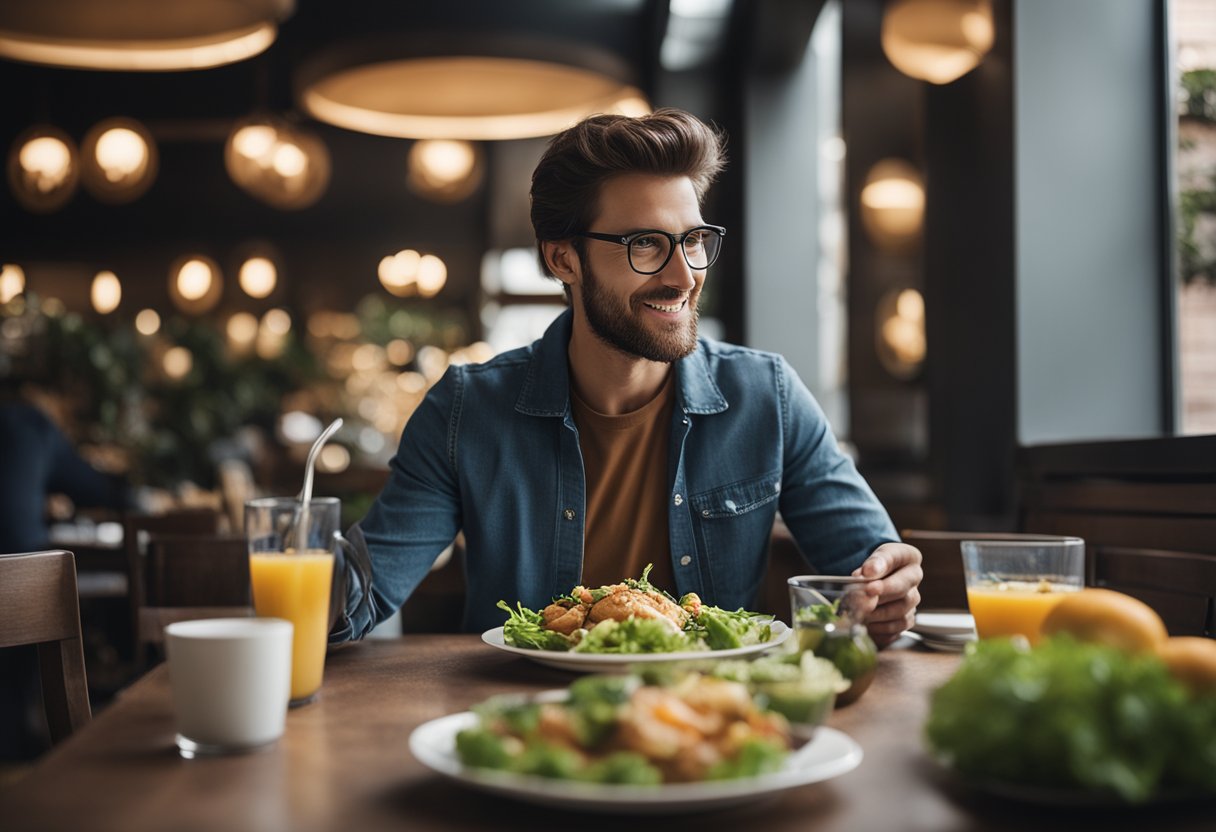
(231, 679)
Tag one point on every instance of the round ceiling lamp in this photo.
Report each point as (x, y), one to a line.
(195, 284)
(280, 164)
(138, 35)
(937, 41)
(118, 160)
(43, 169)
(474, 88)
(444, 170)
(893, 204)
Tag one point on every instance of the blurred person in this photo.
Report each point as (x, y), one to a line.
(39, 461)
(621, 438)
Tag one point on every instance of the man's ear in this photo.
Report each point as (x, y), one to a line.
(562, 259)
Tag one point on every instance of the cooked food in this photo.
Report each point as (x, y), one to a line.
(617, 729)
(633, 616)
(1103, 616)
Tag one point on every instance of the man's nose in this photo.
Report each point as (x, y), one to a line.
(677, 274)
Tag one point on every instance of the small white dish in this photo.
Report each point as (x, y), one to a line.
(944, 624)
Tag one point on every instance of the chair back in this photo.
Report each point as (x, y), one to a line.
(1180, 586)
(39, 605)
(137, 530)
(193, 576)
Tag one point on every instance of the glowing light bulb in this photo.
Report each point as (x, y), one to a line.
(194, 279)
(106, 292)
(258, 277)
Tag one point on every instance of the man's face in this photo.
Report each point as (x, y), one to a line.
(653, 317)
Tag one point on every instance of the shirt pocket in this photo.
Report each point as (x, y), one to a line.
(733, 525)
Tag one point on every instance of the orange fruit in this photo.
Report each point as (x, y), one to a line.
(1103, 616)
(1192, 661)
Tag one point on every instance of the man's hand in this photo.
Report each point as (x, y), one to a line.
(897, 565)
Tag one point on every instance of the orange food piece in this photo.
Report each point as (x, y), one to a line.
(1192, 661)
(1103, 616)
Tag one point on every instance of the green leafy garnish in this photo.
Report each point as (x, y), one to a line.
(633, 635)
(1067, 714)
(525, 628)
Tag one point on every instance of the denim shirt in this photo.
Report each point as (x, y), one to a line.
(493, 449)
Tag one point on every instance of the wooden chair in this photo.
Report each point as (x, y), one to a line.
(192, 576)
(137, 531)
(38, 605)
(1180, 586)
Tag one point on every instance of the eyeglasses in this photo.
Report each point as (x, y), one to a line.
(650, 251)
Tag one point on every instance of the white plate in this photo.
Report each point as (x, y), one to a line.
(619, 662)
(830, 754)
(944, 624)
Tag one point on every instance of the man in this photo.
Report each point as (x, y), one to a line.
(620, 438)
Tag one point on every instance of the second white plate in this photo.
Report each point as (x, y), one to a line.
(830, 754)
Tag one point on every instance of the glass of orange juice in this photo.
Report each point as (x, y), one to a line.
(1013, 584)
(291, 567)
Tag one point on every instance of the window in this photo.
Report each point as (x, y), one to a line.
(1193, 23)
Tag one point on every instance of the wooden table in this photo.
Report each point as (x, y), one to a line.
(344, 763)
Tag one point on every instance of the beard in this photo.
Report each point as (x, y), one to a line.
(614, 323)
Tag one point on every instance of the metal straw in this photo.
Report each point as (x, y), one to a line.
(305, 496)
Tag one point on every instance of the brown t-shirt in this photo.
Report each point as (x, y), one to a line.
(625, 461)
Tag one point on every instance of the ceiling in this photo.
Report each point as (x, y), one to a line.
(193, 201)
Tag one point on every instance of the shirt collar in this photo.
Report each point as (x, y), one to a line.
(546, 388)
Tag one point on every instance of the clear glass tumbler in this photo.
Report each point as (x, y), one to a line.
(291, 567)
(829, 616)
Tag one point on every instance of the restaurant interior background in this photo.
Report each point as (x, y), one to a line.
(961, 267)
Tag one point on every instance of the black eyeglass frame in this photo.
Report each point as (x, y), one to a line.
(677, 241)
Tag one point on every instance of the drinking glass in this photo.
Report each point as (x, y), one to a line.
(291, 567)
(829, 615)
(1013, 584)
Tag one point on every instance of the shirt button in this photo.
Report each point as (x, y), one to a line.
(704, 512)
(684, 561)
(679, 500)
(568, 514)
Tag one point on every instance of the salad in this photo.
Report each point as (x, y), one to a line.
(622, 730)
(633, 616)
(1071, 715)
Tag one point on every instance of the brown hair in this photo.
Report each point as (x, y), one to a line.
(567, 180)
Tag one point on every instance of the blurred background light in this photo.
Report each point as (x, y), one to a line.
(195, 285)
(118, 160)
(147, 322)
(138, 35)
(43, 169)
(12, 281)
(258, 277)
(106, 292)
(281, 164)
(893, 204)
(444, 170)
(937, 41)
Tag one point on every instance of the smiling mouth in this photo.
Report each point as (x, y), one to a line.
(665, 307)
